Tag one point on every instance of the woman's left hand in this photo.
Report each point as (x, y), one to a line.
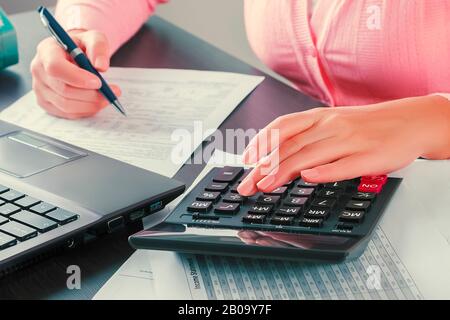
(332, 144)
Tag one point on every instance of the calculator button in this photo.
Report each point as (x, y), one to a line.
(351, 216)
(263, 199)
(27, 201)
(228, 208)
(288, 211)
(295, 201)
(11, 195)
(302, 192)
(228, 174)
(368, 196)
(234, 198)
(9, 209)
(35, 221)
(3, 188)
(254, 218)
(303, 184)
(370, 187)
(200, 206)
(324, 203)
(317, 213)
(330, 193)
(344, 226)
(62, 216)
(209, 196)
(244, 175)
(6, 241)
(216, 186)
(42, 207)
(285, 221)
(381, 179)
(260, 209)
(336, 185)
(356, 205)
(233, 189)
(18, 230)
(289, 184)
(280, 191)
(311, 222)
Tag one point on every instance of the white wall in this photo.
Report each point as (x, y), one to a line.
(219, 22)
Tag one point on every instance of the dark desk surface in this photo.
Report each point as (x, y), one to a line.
(158, 44)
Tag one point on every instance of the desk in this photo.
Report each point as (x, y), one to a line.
(158, 44)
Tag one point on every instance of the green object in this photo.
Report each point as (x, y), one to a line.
(9, 54)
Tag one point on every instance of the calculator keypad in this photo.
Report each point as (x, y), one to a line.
(298, 206)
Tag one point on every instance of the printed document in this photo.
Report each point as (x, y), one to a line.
(159, 103)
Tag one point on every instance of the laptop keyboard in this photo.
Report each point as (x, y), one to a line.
(351, 207)
(23, 217)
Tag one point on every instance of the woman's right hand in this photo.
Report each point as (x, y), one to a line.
(62, 88)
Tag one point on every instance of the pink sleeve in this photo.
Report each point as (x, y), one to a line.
(118, 19)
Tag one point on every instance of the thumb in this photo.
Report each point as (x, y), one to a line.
(96, 47)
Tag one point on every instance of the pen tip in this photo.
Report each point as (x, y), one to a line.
(119, 107)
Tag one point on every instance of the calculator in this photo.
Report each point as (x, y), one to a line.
(298, 221)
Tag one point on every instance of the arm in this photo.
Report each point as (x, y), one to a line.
(117, 19)
(99, 27)
(332, 144)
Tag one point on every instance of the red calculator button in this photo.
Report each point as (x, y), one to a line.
(382, 179)
(370, 187)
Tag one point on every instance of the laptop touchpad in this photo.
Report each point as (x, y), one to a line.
(23, 154)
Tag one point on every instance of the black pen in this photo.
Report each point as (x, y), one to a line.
(77, 54)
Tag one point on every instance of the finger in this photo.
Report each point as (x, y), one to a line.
(284, 151)
(52, 110)
(56, 64)
(277, 132)
(357, 165)
(70, 92)
(316, 154)
(67, 106)
(97, 49)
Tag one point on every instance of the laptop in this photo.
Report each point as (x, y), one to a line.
(51, 193)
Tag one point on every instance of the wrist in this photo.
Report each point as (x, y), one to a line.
(438, 144)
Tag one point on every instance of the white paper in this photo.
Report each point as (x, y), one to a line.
(409, 248)
(157, 102)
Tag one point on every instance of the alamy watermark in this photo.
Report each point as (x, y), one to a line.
(232, 140)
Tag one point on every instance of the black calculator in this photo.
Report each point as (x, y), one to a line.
(298, 221)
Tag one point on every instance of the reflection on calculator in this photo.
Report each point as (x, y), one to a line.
(299, 220)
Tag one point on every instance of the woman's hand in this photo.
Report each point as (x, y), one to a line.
(333, 144)
(62, 88)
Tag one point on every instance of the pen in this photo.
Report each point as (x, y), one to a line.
(77, 54)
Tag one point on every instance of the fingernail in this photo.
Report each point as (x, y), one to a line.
(311, 173)
(247, 187)
(101, 63)
(266, 183)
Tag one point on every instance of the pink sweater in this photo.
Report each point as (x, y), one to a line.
(342, 52)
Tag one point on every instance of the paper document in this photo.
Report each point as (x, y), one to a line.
(158, 102)
(407, 258)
